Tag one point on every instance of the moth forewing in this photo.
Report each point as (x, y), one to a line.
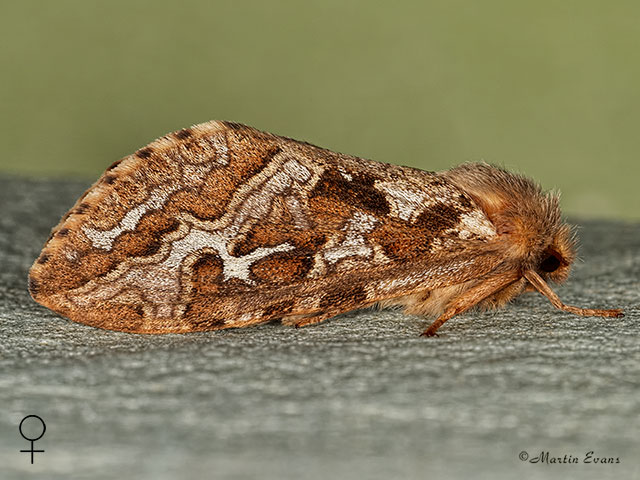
(221, 225)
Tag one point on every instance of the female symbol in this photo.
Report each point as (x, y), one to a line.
(44, 429)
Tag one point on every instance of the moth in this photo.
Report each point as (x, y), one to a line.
(221, 225)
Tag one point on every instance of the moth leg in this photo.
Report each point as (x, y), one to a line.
(470, 298)
(304, 320)
(541, 286)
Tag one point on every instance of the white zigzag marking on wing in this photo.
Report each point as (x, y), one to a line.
(104, 238)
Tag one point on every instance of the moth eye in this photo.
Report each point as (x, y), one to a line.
(550, 264)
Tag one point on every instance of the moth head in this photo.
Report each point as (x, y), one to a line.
(528, 219)
(554, 261)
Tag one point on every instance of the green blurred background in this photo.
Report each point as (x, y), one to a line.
(547, 88)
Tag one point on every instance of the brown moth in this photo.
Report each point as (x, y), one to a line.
(221, 225)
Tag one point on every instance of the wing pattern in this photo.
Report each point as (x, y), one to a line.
(221, 225)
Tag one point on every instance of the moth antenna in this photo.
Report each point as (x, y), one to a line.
(541, 286)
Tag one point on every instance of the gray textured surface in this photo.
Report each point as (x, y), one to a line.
(361, 396)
